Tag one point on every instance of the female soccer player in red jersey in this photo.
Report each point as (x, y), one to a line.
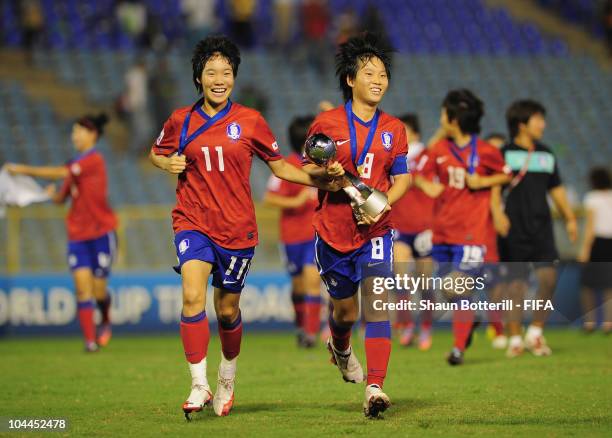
(353, 252)
(210, 145)
(298, 204)
(91, 224)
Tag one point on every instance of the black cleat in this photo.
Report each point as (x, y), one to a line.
(455, 357)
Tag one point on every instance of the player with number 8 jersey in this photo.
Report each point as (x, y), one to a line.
(210, 146)
(351, 249)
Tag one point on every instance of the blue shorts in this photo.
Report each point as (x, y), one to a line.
(343, 271)
(230, 267)
(95, 254)
(468, 259)
(419, 243)
(299, 255)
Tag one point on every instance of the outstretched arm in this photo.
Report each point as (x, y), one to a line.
(47, 172)
(287, 201)
(283, 170)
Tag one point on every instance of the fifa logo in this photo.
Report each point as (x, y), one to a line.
(233, 131)
(387, 139)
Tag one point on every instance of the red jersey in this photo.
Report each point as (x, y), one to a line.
(213, 194)
(90, 215)
(461, 215)
(413, 213)
(295, 223)
(334, 221)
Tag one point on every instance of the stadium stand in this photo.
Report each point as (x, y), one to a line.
(493, 54)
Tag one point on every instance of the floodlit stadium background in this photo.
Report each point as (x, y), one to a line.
(77, 56)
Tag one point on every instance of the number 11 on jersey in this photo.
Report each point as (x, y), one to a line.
(219, 150)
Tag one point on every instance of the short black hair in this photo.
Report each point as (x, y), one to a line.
(495, 135)
(361, 47)
(463, 105)
(94, 122)
(208, 48)
(298, 130)
(520, 112)
(600, 178)
(412, 120)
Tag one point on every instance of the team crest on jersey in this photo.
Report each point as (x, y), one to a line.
(234, 131)
(75, 169)
(387, 139)
(183, 246)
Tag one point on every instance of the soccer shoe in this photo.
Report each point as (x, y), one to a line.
(500, 342)
(455, 357)
(537, 345)
(91, 347)
(376, 401)
(224, 396)
(104, 335)
(199, 397)
(515, 349)
(406, 336)
(349, 366)
(425, 340)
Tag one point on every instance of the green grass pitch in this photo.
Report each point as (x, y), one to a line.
(136, 386)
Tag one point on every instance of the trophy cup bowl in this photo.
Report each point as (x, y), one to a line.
(321, 150)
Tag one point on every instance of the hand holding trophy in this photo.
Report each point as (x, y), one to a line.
(321, 150)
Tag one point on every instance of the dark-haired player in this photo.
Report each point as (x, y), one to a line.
(372, 145)
(412, 216)
(297, 234)
(210, 146)
(91, 224)
(466, 168)
(530, 239)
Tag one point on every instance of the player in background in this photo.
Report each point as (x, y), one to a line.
(466, 168)
(350, 251)
(496, 286)
(412, 216)
(298, 203)
(529, 237)
(91, 224)
(210, 146)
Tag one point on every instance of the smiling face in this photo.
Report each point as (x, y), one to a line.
(217, 80)
(370, 82)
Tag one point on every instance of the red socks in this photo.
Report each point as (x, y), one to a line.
(462, 325)
(85, 310)
(378, 350)
(231, 336)
(312, 315)
(195, 335)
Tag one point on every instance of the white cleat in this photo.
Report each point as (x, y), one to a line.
(500, 342)
(537, 345)
(516, 347)
(376, 401)
(224, 396)
(199, 397)
(348, 364)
